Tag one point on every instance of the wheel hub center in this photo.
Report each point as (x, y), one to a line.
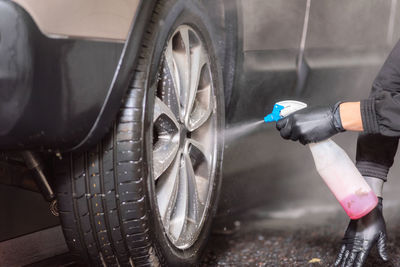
(183, 133)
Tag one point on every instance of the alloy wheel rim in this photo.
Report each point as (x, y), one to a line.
(184, 136)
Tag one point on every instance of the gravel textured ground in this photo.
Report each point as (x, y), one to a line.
(256, 239)
(291, 242)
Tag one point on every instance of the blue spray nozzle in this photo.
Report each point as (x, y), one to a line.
(275, 115)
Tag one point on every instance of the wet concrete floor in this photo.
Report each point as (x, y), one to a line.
(312, 239)
(261, 238)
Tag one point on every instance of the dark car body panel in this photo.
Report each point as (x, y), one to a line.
(16, 66)
(339, 51)
(270, 33)
(60, 94)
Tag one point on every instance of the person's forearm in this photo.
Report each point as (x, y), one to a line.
(350, 115)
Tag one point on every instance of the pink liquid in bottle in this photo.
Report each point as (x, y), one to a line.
(343, 179)
(358, 205)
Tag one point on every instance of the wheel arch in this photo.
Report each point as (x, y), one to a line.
(60, 107)
(122, 76)
(227, 20)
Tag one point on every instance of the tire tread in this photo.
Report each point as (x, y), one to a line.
(108, 220)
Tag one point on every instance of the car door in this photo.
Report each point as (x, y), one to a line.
(346, 43)
(270, 33)
(269, 38)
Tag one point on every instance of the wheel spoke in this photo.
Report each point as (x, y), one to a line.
(200, 160)
(167, 189)
(167, 85)
(198, 60)
(205, 135)
(204, 155)
(178, 60)
(185, 69)
(173, 71)
(179, 216)
(202, 108)
(161, 108)
(202, 185)
(163, 155)
(195, 205)
(167, 138)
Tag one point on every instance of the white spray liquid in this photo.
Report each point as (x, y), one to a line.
(236, 131)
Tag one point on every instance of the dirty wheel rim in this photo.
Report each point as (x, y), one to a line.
(184, 136)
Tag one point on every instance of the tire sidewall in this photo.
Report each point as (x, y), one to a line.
(192, 14)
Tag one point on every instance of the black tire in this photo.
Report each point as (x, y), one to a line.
(106, 196)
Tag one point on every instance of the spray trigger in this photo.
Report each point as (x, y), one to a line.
(283, 109)
(275, 115)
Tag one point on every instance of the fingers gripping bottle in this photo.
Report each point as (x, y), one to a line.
(335, 167)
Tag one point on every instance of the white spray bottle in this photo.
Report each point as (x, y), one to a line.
(335, 167)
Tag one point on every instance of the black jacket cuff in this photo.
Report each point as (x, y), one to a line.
(371, 169)
(368, 116)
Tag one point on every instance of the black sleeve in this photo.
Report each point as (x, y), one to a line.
(381, 112)
(375, 154)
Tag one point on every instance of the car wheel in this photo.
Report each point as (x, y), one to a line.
(147, 193)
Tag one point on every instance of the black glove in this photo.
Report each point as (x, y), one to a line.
(361, 235)
(311, 124)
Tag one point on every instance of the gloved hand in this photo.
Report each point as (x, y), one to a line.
(361, 235)
(311, 124)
